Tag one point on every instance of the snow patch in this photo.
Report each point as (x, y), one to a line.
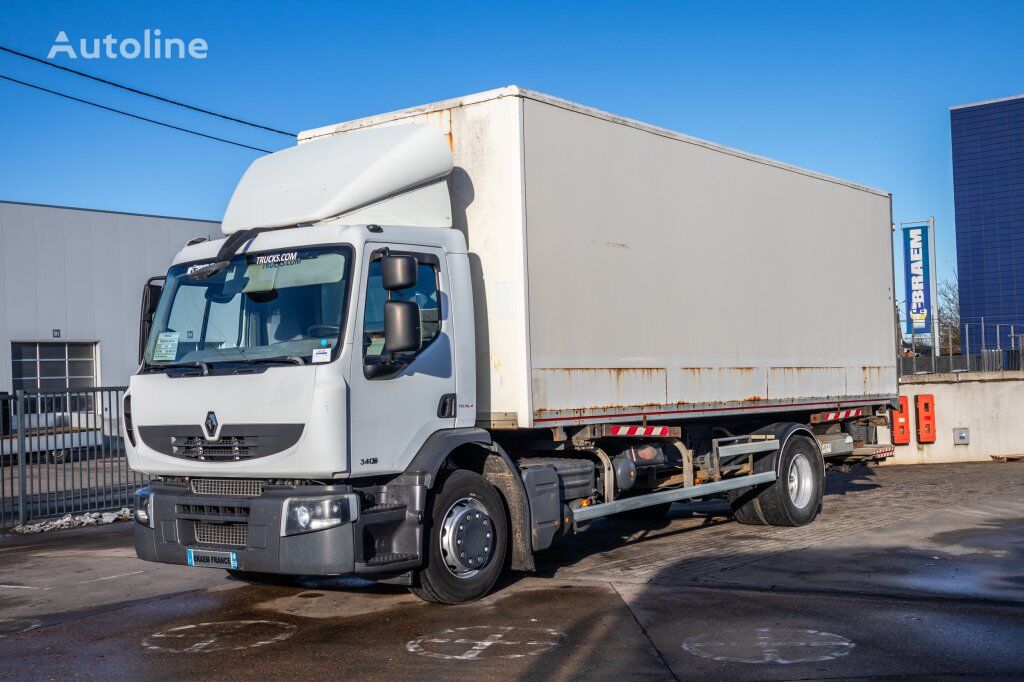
(75, 521)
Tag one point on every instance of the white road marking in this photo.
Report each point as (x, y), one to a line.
(230, 635)
(24, 587)
(485, 641)
(781, 646)
(109, 577)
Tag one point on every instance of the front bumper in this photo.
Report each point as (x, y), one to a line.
(259, 546)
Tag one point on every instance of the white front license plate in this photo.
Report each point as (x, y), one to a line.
(205, 559)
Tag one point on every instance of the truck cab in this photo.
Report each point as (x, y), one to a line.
(278, 368)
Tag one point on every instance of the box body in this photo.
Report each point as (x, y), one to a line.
(625, 272)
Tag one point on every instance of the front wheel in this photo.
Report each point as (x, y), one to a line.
(466, 541)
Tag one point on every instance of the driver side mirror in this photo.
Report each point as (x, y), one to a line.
(151, 293)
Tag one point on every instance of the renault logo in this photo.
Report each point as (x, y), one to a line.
(211, 424)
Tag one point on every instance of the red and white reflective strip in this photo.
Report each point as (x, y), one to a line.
(887, 451)
(639, 431)
(843, 414)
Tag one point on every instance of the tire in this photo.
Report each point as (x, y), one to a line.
(58, 456)
(745, 509)
(654, 513)
(794, 498)
(465, 509)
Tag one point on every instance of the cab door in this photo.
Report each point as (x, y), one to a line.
(392, 415)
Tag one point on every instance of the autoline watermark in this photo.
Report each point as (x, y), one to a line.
(150, 46)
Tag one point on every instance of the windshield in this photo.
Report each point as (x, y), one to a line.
(286, 305)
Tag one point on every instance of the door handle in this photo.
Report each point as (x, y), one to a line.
(446, 407)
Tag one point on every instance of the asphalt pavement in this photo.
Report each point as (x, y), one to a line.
(909, 572)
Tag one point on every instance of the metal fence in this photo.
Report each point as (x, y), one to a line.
(975, 345)
(61, 452)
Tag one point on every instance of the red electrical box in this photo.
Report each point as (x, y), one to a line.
(924, 405)
(901, 423)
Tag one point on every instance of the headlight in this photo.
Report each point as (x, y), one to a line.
(307, 514)
(142, 510)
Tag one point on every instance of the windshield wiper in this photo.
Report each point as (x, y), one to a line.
(204, 367)
(294, 359)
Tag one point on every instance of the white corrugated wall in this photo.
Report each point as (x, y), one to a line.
(82, 272)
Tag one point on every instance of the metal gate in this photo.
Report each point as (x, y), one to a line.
(61, 452)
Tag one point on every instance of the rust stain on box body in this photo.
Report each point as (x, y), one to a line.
(585, 391)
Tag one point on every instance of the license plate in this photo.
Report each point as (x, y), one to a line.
(205, 559)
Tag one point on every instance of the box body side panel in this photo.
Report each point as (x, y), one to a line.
(666, 277)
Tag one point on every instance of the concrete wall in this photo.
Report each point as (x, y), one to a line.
(82, 271)
(988, 403)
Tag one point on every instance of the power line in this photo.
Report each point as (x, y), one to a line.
(135, 116)
(144, 93)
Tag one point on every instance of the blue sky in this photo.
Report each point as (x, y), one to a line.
(860, 90)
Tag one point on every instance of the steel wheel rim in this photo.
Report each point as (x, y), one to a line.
(801, 480)
(467, 537)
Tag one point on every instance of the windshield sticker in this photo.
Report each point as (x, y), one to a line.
(196, 268)
(321, 355)
(277, 260)
(166, 347)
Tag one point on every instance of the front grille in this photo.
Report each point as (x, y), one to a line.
(227, 487)
(226, 534)
(224, 449)
(212, 510)
(235, 442)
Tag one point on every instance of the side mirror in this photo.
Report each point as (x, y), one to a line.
(402, 326)
(151, 293)
(397, 272)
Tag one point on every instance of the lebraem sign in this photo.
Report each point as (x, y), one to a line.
(918, 276)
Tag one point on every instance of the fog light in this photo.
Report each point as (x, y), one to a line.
(142, 510)
(304, 514)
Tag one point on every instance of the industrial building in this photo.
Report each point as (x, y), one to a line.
(988, 185)
(71, 284)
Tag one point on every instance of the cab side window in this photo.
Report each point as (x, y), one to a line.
(424, 293)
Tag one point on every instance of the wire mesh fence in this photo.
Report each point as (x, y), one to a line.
(965, 345)
(61, 452)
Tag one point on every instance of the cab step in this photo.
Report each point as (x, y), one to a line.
(390, 559)
(382, 514)
(387, 563)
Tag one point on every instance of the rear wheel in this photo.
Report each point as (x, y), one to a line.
(466, 541)
(794, 498)
(744, 506)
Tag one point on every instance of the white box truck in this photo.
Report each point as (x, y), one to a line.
(433, 340)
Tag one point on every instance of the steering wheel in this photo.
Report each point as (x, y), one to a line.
(322, 330)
